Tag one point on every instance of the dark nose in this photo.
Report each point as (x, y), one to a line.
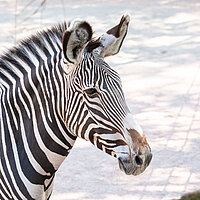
(138, 160)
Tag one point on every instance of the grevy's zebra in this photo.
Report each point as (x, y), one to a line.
(55, 86)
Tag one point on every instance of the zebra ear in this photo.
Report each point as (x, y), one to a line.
(112, 40)
(74, 39)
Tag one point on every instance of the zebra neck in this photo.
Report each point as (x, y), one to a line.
(33, 99)
(34, 139)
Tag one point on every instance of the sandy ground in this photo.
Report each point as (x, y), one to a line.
(160, 68)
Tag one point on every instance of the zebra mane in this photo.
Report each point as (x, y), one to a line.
(54, 33)
(93, 44)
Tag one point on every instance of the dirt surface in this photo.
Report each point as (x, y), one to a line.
(159, 64)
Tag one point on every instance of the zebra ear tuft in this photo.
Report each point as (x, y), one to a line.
(112, 40)
(75, 37)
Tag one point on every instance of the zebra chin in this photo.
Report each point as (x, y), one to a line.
(134, 166)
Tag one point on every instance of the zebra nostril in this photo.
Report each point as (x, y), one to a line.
(138, 160)
(149, 157)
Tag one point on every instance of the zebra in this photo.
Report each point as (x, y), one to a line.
(54, 87)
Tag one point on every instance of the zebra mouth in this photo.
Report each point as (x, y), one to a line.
(135, 166)
(127, 166)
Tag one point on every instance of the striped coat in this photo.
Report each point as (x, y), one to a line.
(55, 86)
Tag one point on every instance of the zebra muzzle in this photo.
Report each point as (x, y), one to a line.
(134, 166)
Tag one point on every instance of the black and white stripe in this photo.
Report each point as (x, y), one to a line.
(49, 97)
(34, 139)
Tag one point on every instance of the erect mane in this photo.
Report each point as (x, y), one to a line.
(53, 33)
(93, 44)
(36, 38)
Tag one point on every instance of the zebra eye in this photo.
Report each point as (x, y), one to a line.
(91, 91)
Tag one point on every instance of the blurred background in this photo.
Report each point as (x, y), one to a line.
(159, 64)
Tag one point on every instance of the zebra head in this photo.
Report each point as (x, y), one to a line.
(97, 109)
